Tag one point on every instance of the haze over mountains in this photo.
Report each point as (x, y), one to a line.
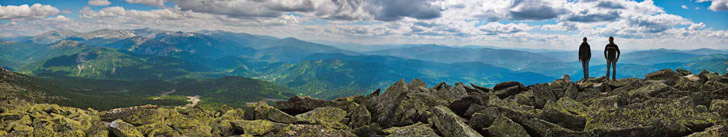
(296, 67)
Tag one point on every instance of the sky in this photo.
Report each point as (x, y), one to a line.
(525, 24)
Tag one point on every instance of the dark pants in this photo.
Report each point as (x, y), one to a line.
(585, 66)
(612, 63)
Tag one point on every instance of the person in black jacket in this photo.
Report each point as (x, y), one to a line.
(584, 57)
(611, 53)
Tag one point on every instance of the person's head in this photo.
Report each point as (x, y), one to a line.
(611, 39)
(584, 39)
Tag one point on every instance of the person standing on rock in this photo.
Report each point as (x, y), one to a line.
(611, 53)
(584, 57)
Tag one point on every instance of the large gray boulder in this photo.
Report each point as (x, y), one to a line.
(670, 77)
(416, 130)
(450, 125)
(505, 127)
(123, 129)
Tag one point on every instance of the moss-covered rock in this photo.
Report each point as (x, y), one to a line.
(461, 105)
(714, 131)
(157, 129)
(233, 114)
(566, 113)
(483, 118)
(508, 91)
(418, 130)
(542, 93)
(400, 106)
(123, 129)
(359, 116)
(330, 117)
(305, 130)
(505, 127)
(301, 104)
(667, 75)
(370, 130)
(256, 127)
(538, 127)
(450, 125)
(655, 117)
(262, 111)
(720, 106)
(683, 72)
(139, 116)
(98, 129)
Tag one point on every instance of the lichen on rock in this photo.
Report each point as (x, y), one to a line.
(123, 129)
(419, 130)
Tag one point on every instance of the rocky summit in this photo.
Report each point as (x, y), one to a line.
(666, 103)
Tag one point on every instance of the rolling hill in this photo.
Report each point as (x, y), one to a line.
(106, 63)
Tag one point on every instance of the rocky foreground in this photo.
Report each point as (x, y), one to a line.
(665, 103)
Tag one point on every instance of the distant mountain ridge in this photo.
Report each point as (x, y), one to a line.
(310, 68)
(511, 59)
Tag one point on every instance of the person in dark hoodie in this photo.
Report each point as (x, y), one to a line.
(611, 53)
(584, 57)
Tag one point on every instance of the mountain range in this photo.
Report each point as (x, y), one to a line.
(284, 67)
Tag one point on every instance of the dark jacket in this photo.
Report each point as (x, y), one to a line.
(611, 51)
(584, 51)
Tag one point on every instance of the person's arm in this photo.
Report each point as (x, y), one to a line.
(618, 53)
(605, 51)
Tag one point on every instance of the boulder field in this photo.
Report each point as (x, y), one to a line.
(666, 103)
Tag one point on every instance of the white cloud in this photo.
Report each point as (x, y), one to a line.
(698, 26)
(384, 10)
(535, 10)
(460, 22)
(717, 5)
(120, 12)
(99, 2)
(60, 18)
(494, 28)
(561, 26)
(24, 11)
(159, 3)
(684, 7)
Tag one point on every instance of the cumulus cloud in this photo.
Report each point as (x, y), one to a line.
(342, 9)
(494, 28)
(657, 23)
(684, 7)
(592, 16)
(622, 18)
(60, 18)
(535, 10)
(99, 2)
(384, 10)
(246, 8)
(148, 2)
(717, 5)
(390, 10)
(452, 22)
(697, 26)
(561, 26)
(24, 11)
(610, 5)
